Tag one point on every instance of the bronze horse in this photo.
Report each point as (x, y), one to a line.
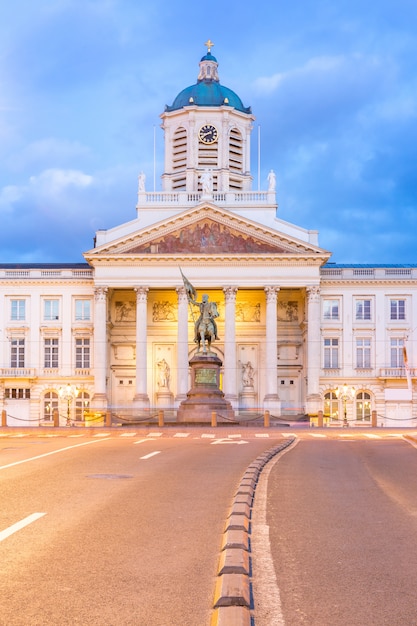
(205, 326)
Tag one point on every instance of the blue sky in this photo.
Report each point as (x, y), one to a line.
(333, 86)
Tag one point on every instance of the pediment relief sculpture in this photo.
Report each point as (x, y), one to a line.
(206, 237)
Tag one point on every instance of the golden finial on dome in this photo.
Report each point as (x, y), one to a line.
(209, 45)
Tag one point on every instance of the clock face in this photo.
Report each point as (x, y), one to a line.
(208, 133)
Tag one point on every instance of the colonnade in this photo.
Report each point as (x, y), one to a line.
(271, 397)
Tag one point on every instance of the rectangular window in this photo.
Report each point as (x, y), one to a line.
(363, 309)
(82, 353)
(50, 310)
(51, 353)
(18, 310)
(331, 309)
(397, 309)
(363, 353)
(18, 394)
(83, 309)
(331, 353)
(397, 355)
(17, 356)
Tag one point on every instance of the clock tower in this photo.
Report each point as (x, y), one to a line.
(207, 132)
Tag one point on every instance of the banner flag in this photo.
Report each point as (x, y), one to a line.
(191, 291)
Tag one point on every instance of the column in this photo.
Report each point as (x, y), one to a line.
(141, 399)
(182, 345)
(313, 349)
(229, 365)
(271, 400)
(99, 399)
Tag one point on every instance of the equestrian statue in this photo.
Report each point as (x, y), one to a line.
(205, 327)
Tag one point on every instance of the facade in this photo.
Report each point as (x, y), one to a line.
(116, 333)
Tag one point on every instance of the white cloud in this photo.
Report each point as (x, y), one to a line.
(55, 181)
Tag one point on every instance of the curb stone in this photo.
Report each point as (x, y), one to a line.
(232, 598)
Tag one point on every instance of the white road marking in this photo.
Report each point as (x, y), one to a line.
(151, 454)
(411, 441)
(41, 456)
(261, 434)
(207, 436)
(234, 436)
(102, 435)
(318, 435)
(154, 435)
(221, 441)
(19, 525)
(128, 435)
(140, 441)
(268, 611)
(182, 435)
(372, 436)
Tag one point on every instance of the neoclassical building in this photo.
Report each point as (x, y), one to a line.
(297, 333)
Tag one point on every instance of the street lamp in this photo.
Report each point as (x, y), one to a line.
(68, 393)
(346, 393)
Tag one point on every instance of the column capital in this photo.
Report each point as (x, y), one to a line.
(271, 293)
(100, 294)
(182, 294)
(230, 293)
(313, 293)
(141, 293)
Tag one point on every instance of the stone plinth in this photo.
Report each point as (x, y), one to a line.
(205, 395)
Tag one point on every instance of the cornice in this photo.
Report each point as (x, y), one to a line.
(22, 280)
(285, 260)
(412, 282)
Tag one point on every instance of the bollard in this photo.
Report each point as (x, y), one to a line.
(108, 419)
(374, 419)
(266, 419)
(214, 419)
(160, 419)
(320, 419)
(55, 417)
(3, 418)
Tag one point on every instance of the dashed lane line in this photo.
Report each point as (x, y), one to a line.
(150, 455)
(41, 456)
(14, 528)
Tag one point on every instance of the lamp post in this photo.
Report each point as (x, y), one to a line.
(68, 393)
(345, 393)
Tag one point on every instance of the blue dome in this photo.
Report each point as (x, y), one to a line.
(207, 94)
(209, 57)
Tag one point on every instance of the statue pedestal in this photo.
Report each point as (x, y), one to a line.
(205, 396)
(247, 398)
(165, 398)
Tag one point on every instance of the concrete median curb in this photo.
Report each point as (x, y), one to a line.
(233, 592)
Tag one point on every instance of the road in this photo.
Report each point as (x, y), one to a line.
(125, 529)
(341, 513)
(131, 531)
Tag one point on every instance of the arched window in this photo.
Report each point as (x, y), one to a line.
(82, 404)
(235, 151)
(331, 405)
(179, 158)
(50, 403)
(363, 406)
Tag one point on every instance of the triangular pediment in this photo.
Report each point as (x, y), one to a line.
(207, 236)
(206, 231)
